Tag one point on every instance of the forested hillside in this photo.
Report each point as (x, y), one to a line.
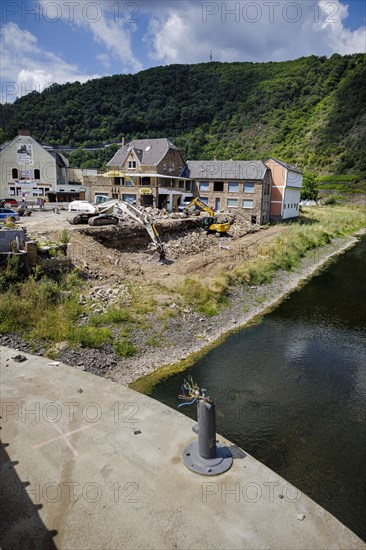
(311, 111)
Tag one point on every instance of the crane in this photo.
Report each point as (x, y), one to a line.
(210, 223)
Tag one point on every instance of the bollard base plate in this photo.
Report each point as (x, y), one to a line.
(207, 466)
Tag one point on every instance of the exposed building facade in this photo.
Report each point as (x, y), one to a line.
(286, 189)
(30, 170)
(237, 186)
(148, 171)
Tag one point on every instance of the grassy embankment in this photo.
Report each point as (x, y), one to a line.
(315, 228)
(45, 311)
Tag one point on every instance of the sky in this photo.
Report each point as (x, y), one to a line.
(48, 41)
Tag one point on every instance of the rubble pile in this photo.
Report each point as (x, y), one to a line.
(100, 298)
(194, 242)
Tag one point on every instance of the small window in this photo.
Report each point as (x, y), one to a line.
(164, 167)
(254, 219)
(232, 203)
(233, 187)
(204, 200)
(218, 186)
(181, 185)
(37, 174)
(248, 187)
(204, 186)
(188, 185)
(247, 203)
(132, 164)
(14, 173)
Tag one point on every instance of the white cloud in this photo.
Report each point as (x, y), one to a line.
(104, 59)
(109, 26)
(26, 67)
(249, 31)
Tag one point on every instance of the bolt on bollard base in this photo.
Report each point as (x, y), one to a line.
(206, 456)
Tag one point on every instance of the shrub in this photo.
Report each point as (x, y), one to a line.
(112, 316)
(124, 348)
(90, 337)
(13, 272)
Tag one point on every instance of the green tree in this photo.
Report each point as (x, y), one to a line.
(309, 191)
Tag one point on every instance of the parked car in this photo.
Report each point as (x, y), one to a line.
(8, 213)
(10, 202)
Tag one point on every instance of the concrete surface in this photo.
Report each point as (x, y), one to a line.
(77, 474)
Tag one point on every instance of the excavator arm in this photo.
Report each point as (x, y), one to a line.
(143, 219)
(210, 223)
(197, 202)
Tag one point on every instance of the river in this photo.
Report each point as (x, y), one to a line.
(291, 390)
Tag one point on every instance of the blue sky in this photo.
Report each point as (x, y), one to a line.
(48, 41)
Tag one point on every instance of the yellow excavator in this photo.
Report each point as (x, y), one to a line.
(210, 223)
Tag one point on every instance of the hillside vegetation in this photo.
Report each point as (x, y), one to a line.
(311, 111)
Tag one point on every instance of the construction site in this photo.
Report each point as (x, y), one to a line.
(165, 275)
(126, 250)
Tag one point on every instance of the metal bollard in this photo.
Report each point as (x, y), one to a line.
(206, 456)
(206, 417)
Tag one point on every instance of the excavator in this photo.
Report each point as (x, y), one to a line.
(210, 223)
(111, 212)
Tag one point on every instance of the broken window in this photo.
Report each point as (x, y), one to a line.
(218, 186)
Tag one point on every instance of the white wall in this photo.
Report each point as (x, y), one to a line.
(41, 160)
(291, 203)
(294, 179)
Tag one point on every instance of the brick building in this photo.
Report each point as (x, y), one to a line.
(233, 185)
(148, 171)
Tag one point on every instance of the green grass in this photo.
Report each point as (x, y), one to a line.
(315, 229)
(206, 297)
(90, 337)
(44, 310)
(124, 348)
(113, 316)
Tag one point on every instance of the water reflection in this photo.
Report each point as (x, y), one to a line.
(292, 390)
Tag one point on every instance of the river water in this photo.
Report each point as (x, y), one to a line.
(291, 390)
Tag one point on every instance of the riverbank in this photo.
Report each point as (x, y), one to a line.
(147, 332)
(245, 307)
